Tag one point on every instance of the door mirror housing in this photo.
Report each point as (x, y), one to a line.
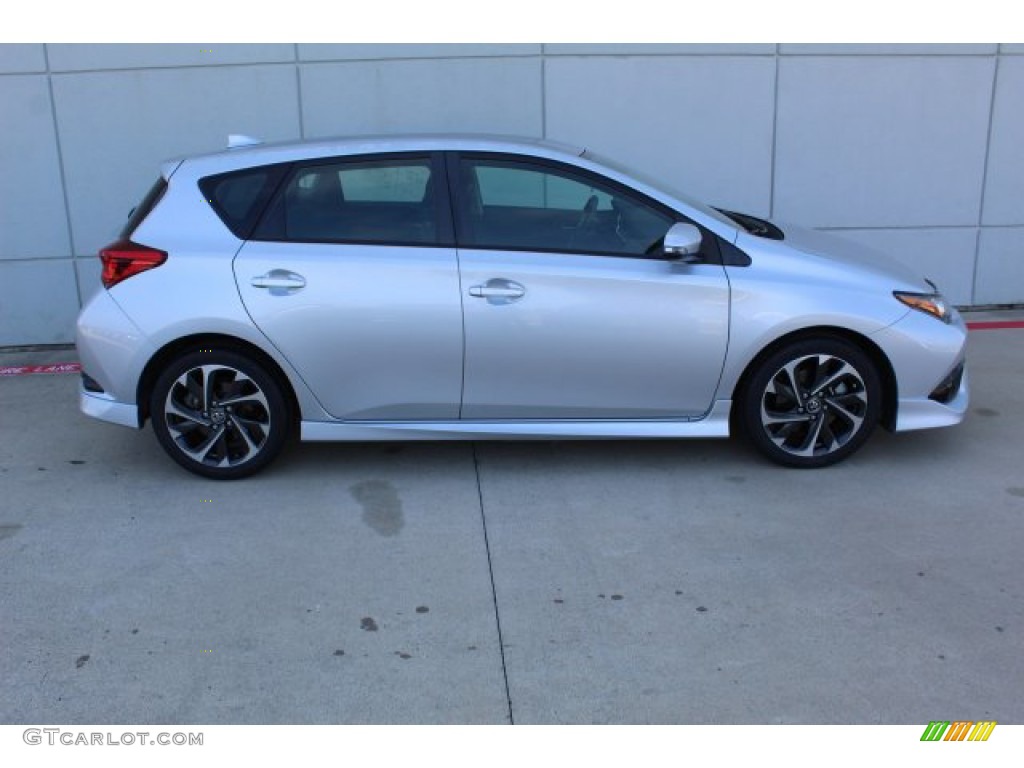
(682, 242)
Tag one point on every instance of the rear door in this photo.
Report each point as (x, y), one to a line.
(352, 275)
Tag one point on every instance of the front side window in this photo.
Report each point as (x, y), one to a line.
(524, 206)
(388, 201)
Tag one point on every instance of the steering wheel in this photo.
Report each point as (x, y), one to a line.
(586, 215)
(588, 212)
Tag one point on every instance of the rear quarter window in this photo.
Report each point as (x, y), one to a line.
(239, 197)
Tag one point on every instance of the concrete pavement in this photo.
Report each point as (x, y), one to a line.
(661, 582)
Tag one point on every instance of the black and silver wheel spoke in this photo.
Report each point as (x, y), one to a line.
(191, 382)
(785, 384)
(834, 378)
(253, 398)
(836, 406)
(201, 452)
(810, 441)
(189, 415)
(245, 430)
(772, 418)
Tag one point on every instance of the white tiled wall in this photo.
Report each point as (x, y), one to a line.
(22, 57)
(890, 49)
(73, 57)
(882, 140)
(495, 95)
(1000, 253)
(703, 122)
(38, 301)
(943, 255)
(116, 127)
(1004, 188)
(385, 51)
(32, 221)
(915, 150)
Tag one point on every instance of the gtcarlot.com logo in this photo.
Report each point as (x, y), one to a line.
(54, 736)
(958, 730)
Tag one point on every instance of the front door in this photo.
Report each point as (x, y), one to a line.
(570, 312)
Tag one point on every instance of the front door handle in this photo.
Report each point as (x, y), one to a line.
(498, 291)
(279, 281)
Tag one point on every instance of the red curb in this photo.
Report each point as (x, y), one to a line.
(992, 325)
(26, 370)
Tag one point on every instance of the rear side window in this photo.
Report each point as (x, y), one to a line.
(384, 183)
(380, 201)
(239, 197)
(142, 210)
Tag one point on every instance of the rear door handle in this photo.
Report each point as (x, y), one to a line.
(279, 281)
(498, 291)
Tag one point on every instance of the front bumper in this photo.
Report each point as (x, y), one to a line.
(925, 413)
(927, 356)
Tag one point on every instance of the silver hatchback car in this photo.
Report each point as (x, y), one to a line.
(466, 287)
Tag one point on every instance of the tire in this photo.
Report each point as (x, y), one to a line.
(812, 403)
(219, 414)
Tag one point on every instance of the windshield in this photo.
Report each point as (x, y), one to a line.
(661, 186)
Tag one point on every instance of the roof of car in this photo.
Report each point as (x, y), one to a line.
(288, 151)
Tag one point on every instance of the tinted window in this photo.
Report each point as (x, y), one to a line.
(372, 201)
(384, 183)
(239, 197)
(519, 205)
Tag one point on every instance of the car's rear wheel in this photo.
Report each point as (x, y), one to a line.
(811, 403)
(219, 414)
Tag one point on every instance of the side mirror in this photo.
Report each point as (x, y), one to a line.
(682, 242)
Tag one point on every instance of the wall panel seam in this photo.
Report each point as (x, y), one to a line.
(61, 170)
(984, 176)
(775, 135)
(298, 92)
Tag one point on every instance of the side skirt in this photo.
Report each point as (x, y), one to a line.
(714, 424)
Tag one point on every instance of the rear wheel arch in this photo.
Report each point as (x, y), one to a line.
(886, 375)
(175, 349)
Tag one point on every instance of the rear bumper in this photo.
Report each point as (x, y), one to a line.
(112, 351)
(106, 408)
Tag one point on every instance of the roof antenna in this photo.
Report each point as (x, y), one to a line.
(237, 140)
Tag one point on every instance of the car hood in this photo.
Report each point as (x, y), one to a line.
(844, 253)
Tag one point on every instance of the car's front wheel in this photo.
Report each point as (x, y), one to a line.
(811, 403)
(219, 414)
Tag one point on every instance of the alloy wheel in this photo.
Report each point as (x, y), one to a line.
(814, 405)
(217, 416)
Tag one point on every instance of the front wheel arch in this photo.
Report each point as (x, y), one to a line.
(886, 375)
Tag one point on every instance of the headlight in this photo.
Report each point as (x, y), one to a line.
(933, 303)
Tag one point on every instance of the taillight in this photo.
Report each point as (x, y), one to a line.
(123, 258)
